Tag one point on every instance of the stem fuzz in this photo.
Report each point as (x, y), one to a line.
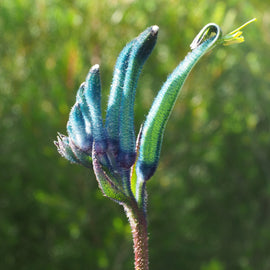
(138, 224)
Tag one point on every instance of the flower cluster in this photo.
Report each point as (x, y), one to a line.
(121, 162)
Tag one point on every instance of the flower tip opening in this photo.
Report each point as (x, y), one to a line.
(208, 31)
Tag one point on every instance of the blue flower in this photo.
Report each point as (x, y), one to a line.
(121, 163)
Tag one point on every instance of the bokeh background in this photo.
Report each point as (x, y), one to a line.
(209, 201)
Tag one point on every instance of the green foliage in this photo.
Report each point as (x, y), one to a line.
(209, 201)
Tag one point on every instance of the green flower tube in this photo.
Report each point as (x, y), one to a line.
(153, 128)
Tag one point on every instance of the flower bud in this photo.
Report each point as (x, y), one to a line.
(142, 48)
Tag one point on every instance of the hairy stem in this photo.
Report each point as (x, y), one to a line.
(138, 224)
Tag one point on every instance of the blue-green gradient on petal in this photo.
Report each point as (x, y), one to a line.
(153, 129)
(142, 48)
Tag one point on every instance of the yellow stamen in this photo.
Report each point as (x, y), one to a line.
(236, 35)
(242, 26)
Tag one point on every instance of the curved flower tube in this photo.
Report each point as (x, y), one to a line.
(141, 49)
(153, 128)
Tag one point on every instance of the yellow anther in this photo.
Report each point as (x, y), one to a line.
(236, 35)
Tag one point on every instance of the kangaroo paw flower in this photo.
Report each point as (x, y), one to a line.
(113, 110)
(121, 165)
(153, 128)
(93, 101)
(141, 49)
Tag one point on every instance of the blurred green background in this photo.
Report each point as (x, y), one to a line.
(209, 201)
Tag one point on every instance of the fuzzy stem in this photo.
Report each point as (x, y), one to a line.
(138, 224)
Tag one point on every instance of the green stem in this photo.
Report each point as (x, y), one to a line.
(138, 224)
